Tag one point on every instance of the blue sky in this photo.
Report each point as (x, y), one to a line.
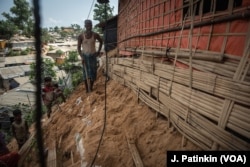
(61, 12)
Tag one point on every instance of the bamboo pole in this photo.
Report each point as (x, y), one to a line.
(182, 99)
(183, 54)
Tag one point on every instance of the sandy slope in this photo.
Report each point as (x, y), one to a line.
(84, 114)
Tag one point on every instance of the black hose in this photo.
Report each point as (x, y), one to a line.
(105, 102)
(39, 134)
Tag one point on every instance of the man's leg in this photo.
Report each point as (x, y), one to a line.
(49, 110)
(86, 86)
(91, 85)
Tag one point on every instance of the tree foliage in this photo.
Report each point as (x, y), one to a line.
(20, 18)
(77, 28)
(69, 61)
(100, 13)
(47, 69)
(69, 66)
(7, 29)
(46, 36)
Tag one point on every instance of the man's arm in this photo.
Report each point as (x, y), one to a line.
(27, 128)
(97, 36)
(79, 43)
(13, 130)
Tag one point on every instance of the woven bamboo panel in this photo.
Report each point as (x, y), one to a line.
(214, 111)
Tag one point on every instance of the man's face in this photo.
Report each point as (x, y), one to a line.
(88, 26)
(48, 83)
(18, 117)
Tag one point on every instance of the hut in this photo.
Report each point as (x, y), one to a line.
(109, 28)
(193, 66)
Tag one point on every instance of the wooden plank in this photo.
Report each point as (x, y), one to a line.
(52, 160)
(23, 152)
(134, 152)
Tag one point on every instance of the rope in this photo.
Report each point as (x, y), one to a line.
(91, 8)
(38, 83)
(105, 102)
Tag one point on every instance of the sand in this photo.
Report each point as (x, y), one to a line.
(126, 117)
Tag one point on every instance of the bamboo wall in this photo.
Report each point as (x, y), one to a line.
(198, 75)
(214, 113)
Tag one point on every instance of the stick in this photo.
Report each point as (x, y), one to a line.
(80, 114)
(134, 152)
(87, 77)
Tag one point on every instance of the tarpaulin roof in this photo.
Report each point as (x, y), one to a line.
(24, 94)
(14, 71)
(11, 72)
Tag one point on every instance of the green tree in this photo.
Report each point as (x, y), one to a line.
(70, 60)
(64, 34)
(70, 66)
(59, 52)
(47, 69)
(56, 29)
(7, 29)
(21, 17)
(46, 36)
(100, 13)
(76, 27)
(51, 29)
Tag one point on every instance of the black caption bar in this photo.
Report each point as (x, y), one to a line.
(208, 158)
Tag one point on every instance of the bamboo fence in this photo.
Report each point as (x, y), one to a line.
(213, 112)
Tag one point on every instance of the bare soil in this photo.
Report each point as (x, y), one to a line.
(126, 117)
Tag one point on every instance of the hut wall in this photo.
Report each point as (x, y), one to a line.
(200, 25)
(207, 39)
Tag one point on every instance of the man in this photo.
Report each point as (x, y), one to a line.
(86, 49)
(48, 94)
(20, 128)
(7, 158)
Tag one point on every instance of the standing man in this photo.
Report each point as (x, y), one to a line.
(86, 49)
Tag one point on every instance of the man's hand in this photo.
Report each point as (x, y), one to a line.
(97, 54)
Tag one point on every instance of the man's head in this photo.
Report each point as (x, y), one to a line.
(47, 81)
(88, 25)
(17, 114)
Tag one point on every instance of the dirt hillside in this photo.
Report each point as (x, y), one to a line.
(82, 117)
